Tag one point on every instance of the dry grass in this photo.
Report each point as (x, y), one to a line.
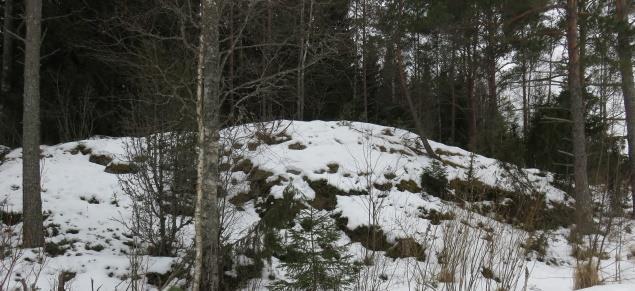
(445, 275)
(586, 275)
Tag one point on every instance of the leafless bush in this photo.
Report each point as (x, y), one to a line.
(161, 189)
(10, 253)
(13, 257)
(75, 112)
(481, 253)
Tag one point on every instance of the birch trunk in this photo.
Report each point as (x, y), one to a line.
(207, 218)
(32, 201)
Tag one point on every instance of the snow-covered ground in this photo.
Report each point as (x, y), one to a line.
(85, 206)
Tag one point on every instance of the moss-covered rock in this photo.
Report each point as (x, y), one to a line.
(383, 186)
(333, 167)
(121, 168)
(297, 146)
(408, 185)
(244, 165)
(55, 249)
(326, 194)
(372, 238)
(81, 148)
(407, 248)
(529, 211)
(272, 138)
(390, 175)
(278, 213)
(435, 216)
(241, 198)
(100, 159)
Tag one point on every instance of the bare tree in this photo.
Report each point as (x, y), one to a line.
(624, 51)
(206, 274)
(33, 235)
(582, 195)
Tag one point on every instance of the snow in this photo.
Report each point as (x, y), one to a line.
(614, 287)
(365, 154)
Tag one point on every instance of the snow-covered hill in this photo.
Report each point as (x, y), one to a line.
(361, 174)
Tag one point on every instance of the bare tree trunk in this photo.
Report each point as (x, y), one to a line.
(625, 54)
(473, 104)
(7, 47)
(453, 97)
(413, 110)
(300, 81)
(207, 275)
(525, 99)
(583, 199)
(491, 55)
(472, 98)
(32, 201)
(364, 70)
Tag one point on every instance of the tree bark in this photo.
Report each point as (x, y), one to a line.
(625, 54)
(471, 95)
(301, 58)
(491, 59)
(7, 47)
(525, 98)
(207, 218)
(583, 199)
(364, 68)
(32, 232)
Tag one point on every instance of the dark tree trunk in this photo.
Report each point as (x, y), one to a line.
(413, 110)
(625, 54)
(525, 99)
(364, 69)
(583, 199)
(472, 119)
(32, 201)
(7, 47)
(301, 58)
(471, 95)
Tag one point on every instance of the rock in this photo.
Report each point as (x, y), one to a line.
(407, 248)
(100, 159)
(121, 168)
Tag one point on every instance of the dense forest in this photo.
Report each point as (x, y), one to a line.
(486, 75)
(545, 84)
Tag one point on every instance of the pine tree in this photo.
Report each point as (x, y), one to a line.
(33, 235)
(313, 259)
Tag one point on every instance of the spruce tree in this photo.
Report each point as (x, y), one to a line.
(313, 260)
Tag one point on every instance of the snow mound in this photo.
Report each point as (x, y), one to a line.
(335, 166)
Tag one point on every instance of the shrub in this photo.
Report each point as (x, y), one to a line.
(434, 180)
(161, 188)
(312, 259)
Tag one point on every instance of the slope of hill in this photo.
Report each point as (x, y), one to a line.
(389, 200)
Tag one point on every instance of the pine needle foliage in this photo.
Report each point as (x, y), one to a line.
(313, 260)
